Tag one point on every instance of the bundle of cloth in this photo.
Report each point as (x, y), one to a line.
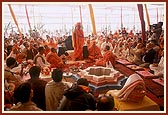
(133, 90)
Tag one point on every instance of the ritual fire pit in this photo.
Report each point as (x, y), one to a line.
(98, 75)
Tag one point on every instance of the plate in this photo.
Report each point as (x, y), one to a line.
(67, 74)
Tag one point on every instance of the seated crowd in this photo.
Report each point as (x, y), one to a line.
(33, 54)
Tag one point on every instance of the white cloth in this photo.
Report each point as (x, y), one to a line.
(40, 62)
(17, 69)
(158, 70)
(129, 86)
(11, 55)
(103, 46)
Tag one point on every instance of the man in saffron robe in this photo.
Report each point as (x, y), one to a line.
(47, 50)
(54, 59)
(131, 34)
(108, 57)
(78, 41)
(94, 52)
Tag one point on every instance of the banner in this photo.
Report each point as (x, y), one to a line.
(141, 16)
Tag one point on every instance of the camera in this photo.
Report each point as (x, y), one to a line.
(155, 26)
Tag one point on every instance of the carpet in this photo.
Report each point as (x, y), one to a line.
(124, 70)
(160, 81)
(146, 74)
(135, 67)
(155, 88)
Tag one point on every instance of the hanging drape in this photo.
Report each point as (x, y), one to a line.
(141, 16)
(92, 19)
(27, 17)
(147, 16)
(14, 18)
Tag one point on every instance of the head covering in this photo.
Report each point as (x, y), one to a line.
(78, 24)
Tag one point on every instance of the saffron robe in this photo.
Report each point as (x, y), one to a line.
(78, 42)
(107, 57)
(54, 60)
(94, 52)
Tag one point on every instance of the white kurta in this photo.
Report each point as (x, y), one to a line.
(158, 70)
(54, 93)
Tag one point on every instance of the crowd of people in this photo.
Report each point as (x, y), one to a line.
(25, 54)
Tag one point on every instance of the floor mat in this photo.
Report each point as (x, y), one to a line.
(156, 89)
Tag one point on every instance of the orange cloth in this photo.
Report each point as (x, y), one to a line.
(20, 57)
(94, 52)
(47, 51)
(116, 34)
(54, 60)
(52, 44)
(78, 41)
(131, 35)
(108, 57)
(43, 43)
(85, 88)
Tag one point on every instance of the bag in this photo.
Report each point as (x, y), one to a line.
(85, 52)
